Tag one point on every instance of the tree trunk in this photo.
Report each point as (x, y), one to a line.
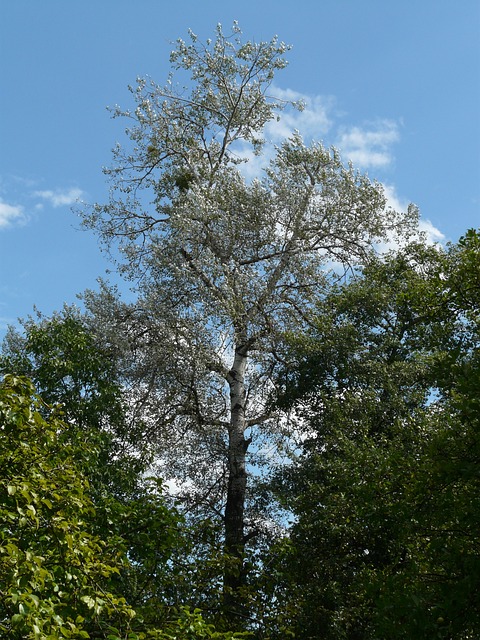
(237, 483)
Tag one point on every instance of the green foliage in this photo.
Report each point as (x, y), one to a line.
(53, 570)
(69, 367)
(58, 578)
(366, 363)
(386, 541)
(190, 625)
(61, 356)
(162, 563)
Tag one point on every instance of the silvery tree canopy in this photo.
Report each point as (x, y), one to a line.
(222, 264)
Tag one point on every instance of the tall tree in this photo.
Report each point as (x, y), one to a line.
(223, 264)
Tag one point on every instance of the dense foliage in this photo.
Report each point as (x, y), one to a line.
(54, 571)
(383, 486)
(279, 437)
(82, 478)
(386, 490)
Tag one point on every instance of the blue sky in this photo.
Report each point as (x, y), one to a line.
(394, 85)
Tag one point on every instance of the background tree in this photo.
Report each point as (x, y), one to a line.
(67, 364)
(386, 541)
(79, 375)
(222, 265)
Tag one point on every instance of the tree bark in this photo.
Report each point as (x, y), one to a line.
(234, 573)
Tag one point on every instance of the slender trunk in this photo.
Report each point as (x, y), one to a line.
(234, 577)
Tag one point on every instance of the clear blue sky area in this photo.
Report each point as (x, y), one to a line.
(394, 85)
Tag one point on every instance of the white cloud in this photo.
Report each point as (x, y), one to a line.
(10, 213)
(369, 147)
(366, 146)
(60, 198)
(312, 121)
(431, 233)
(393, 200)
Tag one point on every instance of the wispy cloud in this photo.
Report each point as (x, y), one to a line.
(431, 233)
(10, 214)
(393, 199)
(60, 197)
(369, 147)
(313, 120)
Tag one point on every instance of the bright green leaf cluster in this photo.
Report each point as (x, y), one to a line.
(53, 570)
